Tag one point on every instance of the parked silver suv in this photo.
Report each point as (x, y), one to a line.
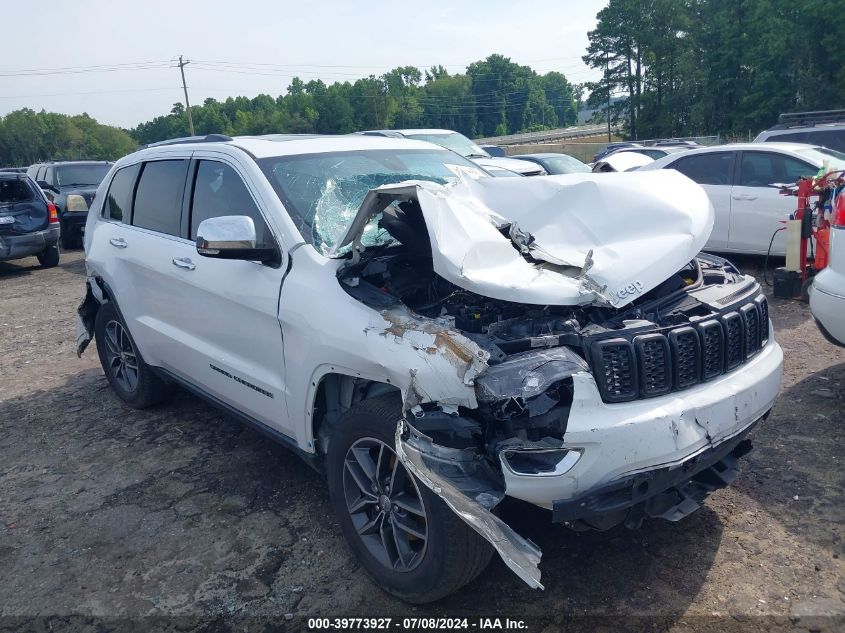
(434, 339)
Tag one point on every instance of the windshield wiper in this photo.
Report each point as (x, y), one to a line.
(78, 184)
(477, 156)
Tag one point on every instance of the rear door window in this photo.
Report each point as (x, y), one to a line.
(218, 191)
(118, 205)
(761, 169)
(713, 168)
(158, 197)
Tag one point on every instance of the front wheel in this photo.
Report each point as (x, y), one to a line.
(67, 236)
(49, 257)
(406, 538)
(131, 378)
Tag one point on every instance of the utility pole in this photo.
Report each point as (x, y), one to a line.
(606, 79)
(187, 103)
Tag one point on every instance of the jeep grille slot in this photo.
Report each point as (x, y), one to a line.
(763, 305)
(751, 322)
(655, 364)
(686, 357)
(617, 372)
(713, 348)
(734, 335)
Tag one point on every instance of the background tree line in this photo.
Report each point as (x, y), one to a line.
(27, 137)
(690, 67)
(495, 96)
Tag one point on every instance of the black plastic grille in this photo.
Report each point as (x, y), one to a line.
(655, 367)
(616, 373)
(751, 323)
(686, 357)
(655, 364)
(712, 349)
(734, 340)
(763, 305)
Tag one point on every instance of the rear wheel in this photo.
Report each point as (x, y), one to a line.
(126, 371)
(406, 538)
(49, 257)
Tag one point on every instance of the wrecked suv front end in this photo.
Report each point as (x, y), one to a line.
(604, 407)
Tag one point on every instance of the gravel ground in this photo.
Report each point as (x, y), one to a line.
(181, 511)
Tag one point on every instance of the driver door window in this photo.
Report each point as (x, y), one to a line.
(757, 208)
(218, 191)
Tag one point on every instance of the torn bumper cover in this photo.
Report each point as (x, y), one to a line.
(458, 477)
(664, 493)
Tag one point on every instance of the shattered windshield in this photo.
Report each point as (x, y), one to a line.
(323, 192)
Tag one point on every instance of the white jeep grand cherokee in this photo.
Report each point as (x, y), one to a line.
(433, 339)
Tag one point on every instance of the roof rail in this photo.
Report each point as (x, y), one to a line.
(208, 138)
(809, 119)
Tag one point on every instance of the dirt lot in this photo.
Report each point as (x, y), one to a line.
(179, 510)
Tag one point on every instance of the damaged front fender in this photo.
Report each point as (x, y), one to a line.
(457, 477)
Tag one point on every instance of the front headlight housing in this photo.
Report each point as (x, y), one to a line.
(528, 374)
(75, 202)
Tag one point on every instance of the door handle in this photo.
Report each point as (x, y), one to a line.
(184, 262)
(119, 242)
(739, 196)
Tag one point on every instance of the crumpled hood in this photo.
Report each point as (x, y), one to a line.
(559, 240)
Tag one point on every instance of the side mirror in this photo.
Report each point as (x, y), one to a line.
(46, 185)
(231, 237)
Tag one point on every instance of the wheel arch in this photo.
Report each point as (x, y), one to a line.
(334, 389)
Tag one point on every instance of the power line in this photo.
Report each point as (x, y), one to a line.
(92, 92)
(71, 70)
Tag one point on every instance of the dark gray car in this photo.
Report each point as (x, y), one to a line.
(29, 224)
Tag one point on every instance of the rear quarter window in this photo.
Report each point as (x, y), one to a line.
(158, 196)
(13, 191)
(118, 205)
(707, 169)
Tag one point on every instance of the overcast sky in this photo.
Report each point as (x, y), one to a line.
(249, 47)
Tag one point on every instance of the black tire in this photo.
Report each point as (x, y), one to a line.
(453, 553)
(49, 257)
(68, 237)
(130, 377)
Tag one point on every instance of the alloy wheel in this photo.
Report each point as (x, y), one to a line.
(385, 505)
(122, 358)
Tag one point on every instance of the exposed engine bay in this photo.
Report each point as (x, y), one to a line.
(521, 337)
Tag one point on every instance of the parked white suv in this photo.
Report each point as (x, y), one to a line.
(433, 338)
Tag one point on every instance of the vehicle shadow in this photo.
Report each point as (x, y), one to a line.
(657, 570)
(795, 470)
(118, 493)
(18, 268)
(76, 266)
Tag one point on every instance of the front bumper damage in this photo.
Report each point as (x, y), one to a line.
(455, 476)
(655, 458)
